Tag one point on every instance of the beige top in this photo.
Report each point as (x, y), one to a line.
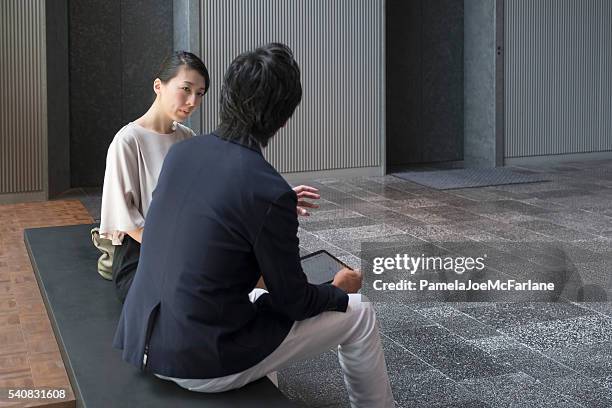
(133, 164)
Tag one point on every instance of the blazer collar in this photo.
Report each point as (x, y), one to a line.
(244, 141)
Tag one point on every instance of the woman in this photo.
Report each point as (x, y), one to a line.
(135, 158)
(136, 155)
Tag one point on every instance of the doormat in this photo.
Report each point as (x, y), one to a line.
(467, 178)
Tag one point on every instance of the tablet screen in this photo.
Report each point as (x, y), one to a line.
(321, 267)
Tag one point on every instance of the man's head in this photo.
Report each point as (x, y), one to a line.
(260, 92)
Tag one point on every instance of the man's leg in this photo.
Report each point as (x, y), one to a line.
(354, 332)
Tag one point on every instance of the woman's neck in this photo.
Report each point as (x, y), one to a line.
(156, 121)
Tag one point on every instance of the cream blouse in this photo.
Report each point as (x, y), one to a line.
(133, 164)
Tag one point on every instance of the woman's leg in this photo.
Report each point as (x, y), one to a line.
(125, 263)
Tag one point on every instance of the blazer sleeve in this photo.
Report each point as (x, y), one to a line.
(277, 252)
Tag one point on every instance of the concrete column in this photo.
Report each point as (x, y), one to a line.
(187, 38)
(483, 83)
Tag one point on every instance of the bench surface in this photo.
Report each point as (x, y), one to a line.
(84, 311)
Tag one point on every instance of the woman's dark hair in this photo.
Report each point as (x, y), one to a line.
(260, 92)
(173, 62)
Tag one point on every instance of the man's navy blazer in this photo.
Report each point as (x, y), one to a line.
(221, 216)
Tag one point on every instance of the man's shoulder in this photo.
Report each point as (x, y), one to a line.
(226, 160)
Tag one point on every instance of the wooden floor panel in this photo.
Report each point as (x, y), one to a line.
(29, 355)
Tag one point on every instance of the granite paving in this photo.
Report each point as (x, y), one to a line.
(451, 352)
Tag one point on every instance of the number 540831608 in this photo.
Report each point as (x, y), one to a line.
(28, 393)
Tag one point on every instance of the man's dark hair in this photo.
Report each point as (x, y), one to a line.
(260, 92)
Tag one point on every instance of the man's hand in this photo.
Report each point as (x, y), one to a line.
(304, 192)
(261, 284)
(348, 280)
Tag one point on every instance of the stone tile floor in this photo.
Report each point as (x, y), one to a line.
(522, 354)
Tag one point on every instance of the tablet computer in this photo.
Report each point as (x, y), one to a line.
(321, 267)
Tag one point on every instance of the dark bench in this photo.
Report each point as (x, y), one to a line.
(84, 312)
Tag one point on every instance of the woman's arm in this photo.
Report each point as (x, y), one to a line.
(136, 234)
(121, 192)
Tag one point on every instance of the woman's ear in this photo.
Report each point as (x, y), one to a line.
(157, 86)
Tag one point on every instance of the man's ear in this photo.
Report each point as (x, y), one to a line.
(157, 86)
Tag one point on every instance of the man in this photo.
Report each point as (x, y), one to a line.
(220, 218)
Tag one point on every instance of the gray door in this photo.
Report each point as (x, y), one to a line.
(558, 91)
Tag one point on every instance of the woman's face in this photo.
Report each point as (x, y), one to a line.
(182, 94)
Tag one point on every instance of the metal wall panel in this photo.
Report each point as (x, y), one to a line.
(558, 91)
(23, 116)
(340, 48)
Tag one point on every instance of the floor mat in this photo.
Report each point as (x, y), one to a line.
(466, 178)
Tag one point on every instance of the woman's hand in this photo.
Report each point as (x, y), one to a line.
(304, 192)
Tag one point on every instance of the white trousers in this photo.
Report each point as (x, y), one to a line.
(360, 353)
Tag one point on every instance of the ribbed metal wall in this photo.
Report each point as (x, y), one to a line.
(340, 48)
(558, 63)
(23, 116)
